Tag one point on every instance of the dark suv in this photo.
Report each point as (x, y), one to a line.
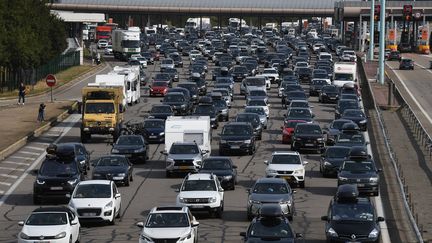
(308, 136)
(59, 173)
(178, 103)
(237, 136)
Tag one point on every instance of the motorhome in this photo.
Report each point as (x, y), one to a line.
(132, 80)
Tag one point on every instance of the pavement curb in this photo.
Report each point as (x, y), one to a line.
(37, 132)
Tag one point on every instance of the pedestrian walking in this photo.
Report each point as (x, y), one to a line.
(41, 113)
(21, 93)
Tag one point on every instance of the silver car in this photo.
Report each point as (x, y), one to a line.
(271, 190)
(184, 157)
(261, 113)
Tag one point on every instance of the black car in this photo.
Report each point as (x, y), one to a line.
(178, 102)
(303, 114)
(237, 137)
(332, 159)
(161, 112)
(304, 74)
(113, 167)
(208, 110)
(406, 64)
(154, 130)
(308, 136)
(173, 74)
(223, 168)
(342, 105)
(394, 55)
(239, 73)
(351, 139)
(200, 82)
(222, 108)
(316, 86)
(293, 95)
(178, 62)
(334, 129)
(193, 89)
(134, 147)
(328, 94)
(270, 225)
(357, 116)
(58, 174)
(405, 47)
(351, 218)
(254, 120)
(362, 173)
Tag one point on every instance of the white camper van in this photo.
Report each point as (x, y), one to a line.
(188, 129)
(132, 80)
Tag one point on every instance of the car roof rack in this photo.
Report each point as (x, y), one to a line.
(347, 193)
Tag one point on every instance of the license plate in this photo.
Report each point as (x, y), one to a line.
(128, 155)
(89, 214)
(56, 188)
(197, 206)
(360, 185)
(235, 147)
(152, 136)
(117, 178)
(332, 98)
(309, 144)
(184, 167)
(286, 177)
(42, 241)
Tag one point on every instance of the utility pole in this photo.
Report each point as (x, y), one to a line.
(382, 34)
(371, 30)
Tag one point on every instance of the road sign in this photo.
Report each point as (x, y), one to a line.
(417, 15)
(50, 80)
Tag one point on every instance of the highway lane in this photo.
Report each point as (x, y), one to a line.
(150, 187)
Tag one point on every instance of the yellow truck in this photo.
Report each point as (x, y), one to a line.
(102, 111)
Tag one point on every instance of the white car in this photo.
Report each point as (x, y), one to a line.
(108, 50)
(267, 80)
(317, 46)
(288, 165)
(301, 65)
(260, 103)
(51, 224)
(96, 200)
(167, 64)
(142, 60)
(102, 43)
(169, 224)
(202, 191)
(194, 54)
(272, 74)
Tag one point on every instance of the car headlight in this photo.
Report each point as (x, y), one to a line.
(288, 202)
(139, 150)
(198, 162)
(373, 179)
(188, 236)
(40, 182)
(162, 133)
(170, 160)
(271, 171)
(247, 141)
(212, 199)
(183, 106)
(223, 141)
(343, 178)
(326, 163)
(299, 171)
(374, 233)
(121, 174)
(182, 200)
(60, 235)
(24, 236)
(362, 121)
(108, 205)
(145, 237)
(228, 177)
(72, 182)
(147, 117)
(320, 139)
(114, 150)
(254, 201)
(332, 232)
(298, 139)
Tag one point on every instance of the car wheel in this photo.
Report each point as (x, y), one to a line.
(78, 237)
(112, 222)
(118, 213)
(220, 210)
(70, 239)
(301, 184)
(127, 181)
(131, 178)
(249, 215)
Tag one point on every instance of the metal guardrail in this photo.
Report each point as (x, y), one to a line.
(406, 196)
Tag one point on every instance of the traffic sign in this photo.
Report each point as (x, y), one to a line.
(50, 80)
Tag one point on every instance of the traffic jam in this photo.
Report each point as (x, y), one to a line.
(214, 97)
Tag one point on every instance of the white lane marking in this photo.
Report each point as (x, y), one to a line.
(21, 157)
(14, 163)
(5, 183)
(71, 120)
(35, 148)
(412, 96)
(9, 168)
(52, 134)
(40, 143)
(26, 152)
(1, 192)
(8, 176)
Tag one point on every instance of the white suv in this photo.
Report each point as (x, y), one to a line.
(288, 165)
(168, 224)
(202, 192)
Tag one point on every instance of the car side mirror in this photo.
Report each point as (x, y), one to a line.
(177, 190)
(73, 222)
(163, 152)
(266, 162)
(21, 223)
(299, 235)
(367, 143)
(234, 166)
(380, 219)
(379, 170)
(305, 162)
(161, 101)
(324, 218)
(294, 191)
(284, 115)
(117, 195)
(195, 224)
(140, 224)
(313, 115)
(248, 190)
(68, 195)
(269, 105)
(243, 234)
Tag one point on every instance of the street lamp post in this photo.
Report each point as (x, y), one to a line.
(382, 34)
(371, 30)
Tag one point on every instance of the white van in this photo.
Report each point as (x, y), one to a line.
(133, 84)
(344, 72)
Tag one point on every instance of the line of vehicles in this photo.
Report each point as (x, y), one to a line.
(185, 121)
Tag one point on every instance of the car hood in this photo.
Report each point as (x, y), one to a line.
(310, 136)
(284, 167)
(160, 115)
(353, 227)
(197, 194)
(353, 118)
(155, 130)
(269, 198)
(173, 103)
(335, 161)
(273, 240)
(166, 232)
(109, 169)
(360, 175)
(126, 147)
(45, 230)
(218, 172)
(236, 137)
(184, 156)
(89, 202)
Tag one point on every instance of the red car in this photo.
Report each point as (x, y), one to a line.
(158, 88)
(288, 130)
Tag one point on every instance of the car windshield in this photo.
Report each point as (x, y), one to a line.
(160, 84)
(344, 76)
(162, 76)
(352, 212)
(308, 129)
(111, 161)
(215, 164)
(58, 169)
(199, 185)
(273, 227)
(257, 103)
(167, 61)
(337, 152)
(350, 138)
(98, 108)
(358, 167)
(270, 71)
(219, 103)
(154, 124)
(204, 109)
(255, 82)
(256, 110)
(174, 98)
(297, 95)
(236, 130)
(338, 124)
(252, 119)
(270, 188)
(299, 104)
(353, 113)
(47, 218)
(286, 159)
(167, 220)
(299, 113)
(93, 191)
(184, 149)
(329, 89)
(161, 109)
(349, 104)
(257, 93)
(129, 140)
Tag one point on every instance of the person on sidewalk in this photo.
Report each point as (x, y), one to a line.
(41, 113)
(21, 93)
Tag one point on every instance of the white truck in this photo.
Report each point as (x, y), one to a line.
(188, 129)
(126, 42)
(131, 76)
(198, 24)
(236, 23)
(150, 30)
(344, 72)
